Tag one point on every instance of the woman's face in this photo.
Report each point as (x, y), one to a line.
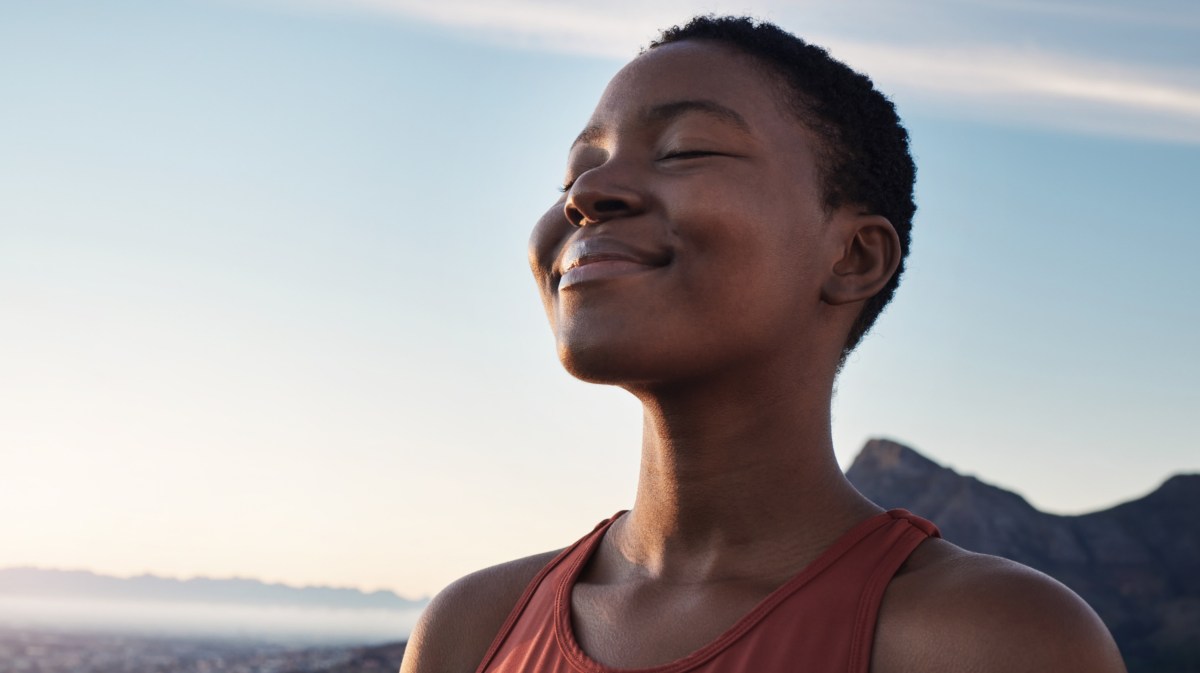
(691, 237)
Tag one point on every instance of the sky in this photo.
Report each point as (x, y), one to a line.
(265, 309)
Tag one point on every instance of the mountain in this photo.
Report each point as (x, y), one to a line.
(1137, 564)
(33, 600)
(78, 584)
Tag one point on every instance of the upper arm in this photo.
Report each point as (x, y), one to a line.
(459, 624)
(980, 614)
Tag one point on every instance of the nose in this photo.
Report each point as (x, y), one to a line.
(597, 197)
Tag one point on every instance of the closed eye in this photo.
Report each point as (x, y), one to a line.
(670, 156)
(688, 154)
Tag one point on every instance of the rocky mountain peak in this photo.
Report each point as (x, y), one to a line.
(1134, 563)
(884, 455)
(1181, 487)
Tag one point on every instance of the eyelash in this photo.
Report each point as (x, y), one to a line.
(689, 154)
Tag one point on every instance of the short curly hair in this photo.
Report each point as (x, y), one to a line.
(865, 159)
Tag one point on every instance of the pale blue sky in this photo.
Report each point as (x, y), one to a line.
(266, 311)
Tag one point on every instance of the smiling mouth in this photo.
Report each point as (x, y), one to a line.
(590, 259)
(601, 267)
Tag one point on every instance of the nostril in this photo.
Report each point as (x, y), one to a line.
(574, 215)
(581, 212)
(610, 206)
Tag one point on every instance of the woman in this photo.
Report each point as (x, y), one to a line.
(735, 216)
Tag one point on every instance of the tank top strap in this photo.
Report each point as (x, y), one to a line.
(896, 544)
(581, 548)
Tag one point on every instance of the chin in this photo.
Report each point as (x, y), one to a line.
(612, 364)
(629, 362)
(597, 365)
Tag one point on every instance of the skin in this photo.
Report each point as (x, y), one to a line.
(719, 290)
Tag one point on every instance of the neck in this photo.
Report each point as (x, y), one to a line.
(734, 479)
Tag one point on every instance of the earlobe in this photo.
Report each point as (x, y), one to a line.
(868, 257)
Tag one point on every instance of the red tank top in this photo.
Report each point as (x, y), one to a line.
(823, 619)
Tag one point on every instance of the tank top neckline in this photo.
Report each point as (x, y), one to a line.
(565, 632)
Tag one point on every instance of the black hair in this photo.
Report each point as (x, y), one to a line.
(865, 159)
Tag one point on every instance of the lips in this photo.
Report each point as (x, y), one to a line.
(599, 258)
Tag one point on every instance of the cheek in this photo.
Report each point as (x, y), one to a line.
(740, 241)
(752, 263)
(546, 240)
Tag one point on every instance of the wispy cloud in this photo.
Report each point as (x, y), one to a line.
(615, 32)
(1033, 87)
(1148, 12)
(979, 79)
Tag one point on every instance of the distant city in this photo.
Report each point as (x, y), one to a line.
(23, 651)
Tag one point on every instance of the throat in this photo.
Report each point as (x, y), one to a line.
(734, 519)
(620, 624)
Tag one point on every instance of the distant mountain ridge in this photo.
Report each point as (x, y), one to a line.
(80, 584)
(1137, 564)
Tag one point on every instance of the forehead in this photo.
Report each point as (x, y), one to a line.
(725, 82)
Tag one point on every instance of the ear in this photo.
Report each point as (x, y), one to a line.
(869, 256)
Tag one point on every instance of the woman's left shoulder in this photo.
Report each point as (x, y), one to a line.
(949, 609)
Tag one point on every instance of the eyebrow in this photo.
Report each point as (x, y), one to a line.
(668, 112)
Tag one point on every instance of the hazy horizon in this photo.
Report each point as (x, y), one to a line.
(152, 575)
(80, 601)
(307, 626)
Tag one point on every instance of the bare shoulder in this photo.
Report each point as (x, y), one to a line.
(459, 624)
(953, 610)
